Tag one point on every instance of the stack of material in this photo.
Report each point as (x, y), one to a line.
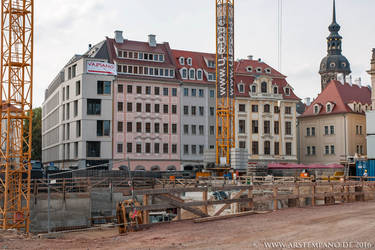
(239, 158)
(256, 169)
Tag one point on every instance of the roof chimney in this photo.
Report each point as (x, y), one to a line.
(358, 81)
(250, 57)
(152, 40)
(118, 36)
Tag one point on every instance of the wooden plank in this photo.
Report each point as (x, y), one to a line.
(222, 217)
(179, 204)
(205, 208)
(189, 189)
(218, 212)
(145, 213)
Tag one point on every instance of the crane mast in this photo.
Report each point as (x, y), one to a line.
(16, 109)
(225, 123)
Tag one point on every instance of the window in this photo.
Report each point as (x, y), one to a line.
(165, 128)
(266, 108)
(186, 129)
(275, 90)
(276, 127)
(326, 131)
(191, 74)
(129, 107)
(360, 130)
(93, 149)
(104, 87)
(139, 107)
(242, 144)
(193, 110)
(287, 91)
(78, 88)
(157, 128)
(254, 126)
(326, 150)
(148, 148)
(103, 128)
(313, 150)
(201, 110)
(277, 148)
(76, 150)
(186, 110)
(189, 61)
(288, 128)
(264, 87)
(139, 127)
(138, 148)
(174, 148)
(267, 147)
(307, 131)
(165, 108)
(199, 74)
(119, 147)
(130, 89)
(212, 130)
(76, 108)
(313, 131)
(148, 107)
(201, 92)
(253, 88)
(332, 129)
(193, 92)
(186, 149)
(201, 130)
(212, 111)
(139, 89)
(174, 91)
(241, 126)
(267, 127)
(242, 107)
(157, 108)
(328, 108)
(120, 127)
(184, 73)
(148, 127)
(174, 109)
(193, 129)
(288, 148)
(78, 129)
(255, 147)
(120, 106)
(182, 60)
(156, 148)
(148, 90)
(211, 64)
(165, 91)
(68, 131)
(165, 148)
(174, 128)
(186, 92)
(308, 150)
(276, 109)
(241, 88)
(288, 110)
(93, 107)
(67, 92)
(63, 94)
(120, 88)
(254, 108)
(193, 149)
(157, 91)
(332, 149)
(129, 127)
(212, 93)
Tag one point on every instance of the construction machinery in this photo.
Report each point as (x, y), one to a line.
(225, 122)
(16, 112)
(128, 217)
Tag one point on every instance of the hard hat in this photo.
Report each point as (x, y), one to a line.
(365, 170)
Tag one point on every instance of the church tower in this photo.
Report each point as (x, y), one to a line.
(334, 63)
(372, 74)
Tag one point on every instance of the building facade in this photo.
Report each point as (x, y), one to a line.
(197, 73)
(146, 105)
(77, 116)
(334, 64)
(265, 113)
(332, 129)
(370, 115)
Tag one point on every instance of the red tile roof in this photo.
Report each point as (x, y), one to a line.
(242, 65)
(341, 95)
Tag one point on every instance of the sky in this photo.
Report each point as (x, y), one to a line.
(64, 28)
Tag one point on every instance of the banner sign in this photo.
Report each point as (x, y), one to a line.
(225, 49)
(101, 68)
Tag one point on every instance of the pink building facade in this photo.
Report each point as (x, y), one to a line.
(146, 106)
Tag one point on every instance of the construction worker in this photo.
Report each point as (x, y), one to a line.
(365, 174)
(304, 174)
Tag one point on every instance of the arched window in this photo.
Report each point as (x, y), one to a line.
(124, 168)
(266, 108)
(182, 61)
(199, 74)
(184, 73)
(328, 108)
(171, 168)
(264, 87)
(275, 90)
(253, 88)
(241, 88)
(316, 109)
(155, 168)
(191, 74)
(140, 168)
(190, 61)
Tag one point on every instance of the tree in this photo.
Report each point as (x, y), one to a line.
(36, 148)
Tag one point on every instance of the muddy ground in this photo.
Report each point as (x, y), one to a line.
(338, 224)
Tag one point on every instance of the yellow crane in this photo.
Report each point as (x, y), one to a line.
(16, 108)
(225, 122)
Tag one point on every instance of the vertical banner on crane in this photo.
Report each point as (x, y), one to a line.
(225, 49)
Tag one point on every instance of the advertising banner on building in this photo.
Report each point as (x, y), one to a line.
(225, 49)
(101, 68)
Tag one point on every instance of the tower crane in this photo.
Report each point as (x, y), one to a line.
(16, 109)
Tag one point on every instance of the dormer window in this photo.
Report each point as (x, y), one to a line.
(275, 90)
(287, 91)
(199, 74)
(253, 88)
(267, 70)
(182, 61)
(190, 61)
(264, 87)
(359, 108)
(328, 108)
(192, 74)
(241, 87)
(184, 73)
(355, 107)
(316, 109)
(211, 64)
(259, 70)
(249, 69)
